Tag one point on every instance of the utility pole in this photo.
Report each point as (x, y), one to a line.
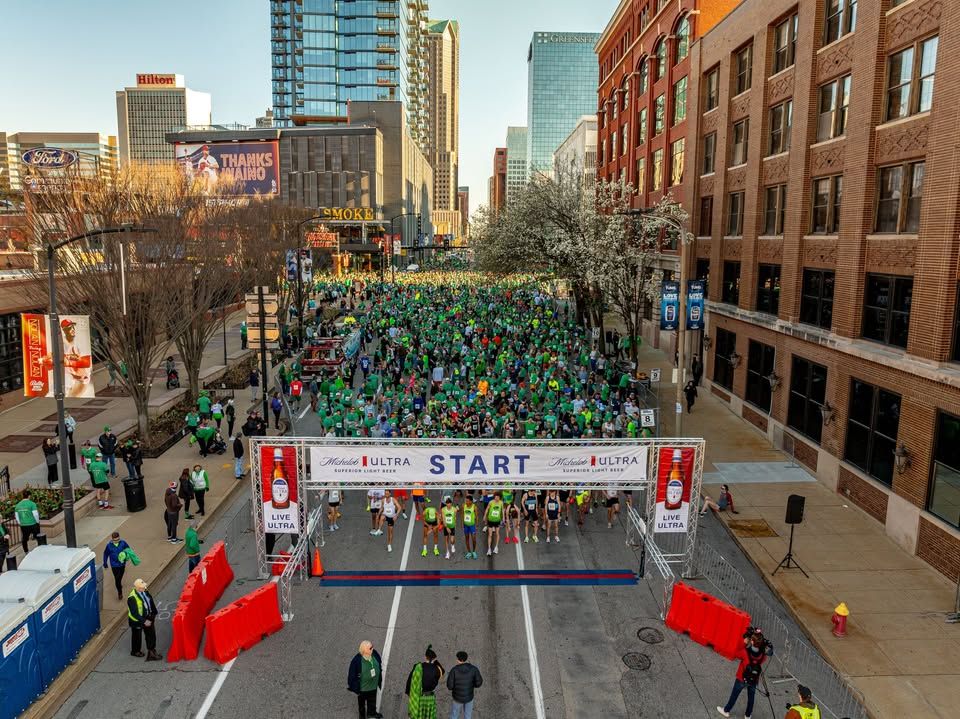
(263, 352)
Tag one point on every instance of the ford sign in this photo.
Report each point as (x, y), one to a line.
(52, 158)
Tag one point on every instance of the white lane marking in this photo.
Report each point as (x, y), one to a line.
(218, 682)
(305, 410)
(395, 609)
(531, 645)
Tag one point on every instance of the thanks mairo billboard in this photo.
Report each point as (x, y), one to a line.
(254, 166)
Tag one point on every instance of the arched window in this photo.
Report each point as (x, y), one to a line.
(682, 48)
(643, 73)
(602, 115)
(625, 95)
(661, 55)
(613, 105)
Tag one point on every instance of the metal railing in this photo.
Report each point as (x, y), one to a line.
(794, 658)
(296, 564)
(240, 523)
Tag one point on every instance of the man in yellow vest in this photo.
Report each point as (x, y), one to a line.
(141, 615)
(806, 709)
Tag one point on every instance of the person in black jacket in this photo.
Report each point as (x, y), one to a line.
(462, 680)
(142, 615)
(108, 447)
(238, 470)
(422, 685)
(364, 678)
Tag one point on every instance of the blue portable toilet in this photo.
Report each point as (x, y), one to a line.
(79, 567)
(20, 680)
(45, 596)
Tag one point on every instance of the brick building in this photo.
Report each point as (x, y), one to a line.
(643, 111)
(821, 144)
(497, 191)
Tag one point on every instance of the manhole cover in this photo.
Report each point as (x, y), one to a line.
(636, 660)
(649, 635)
(751, 528)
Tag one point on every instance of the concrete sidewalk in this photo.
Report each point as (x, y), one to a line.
(899, 652)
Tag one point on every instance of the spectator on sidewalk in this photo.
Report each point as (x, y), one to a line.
(114, 556)
(193, 422)
(185, 492)
(724, 502)
(216, 411)
(254, 381)
(4, 545)
(276, 405)
(238, 452)
(806, 708)
(230, 412)
(70, 423)
(141, 615)
(690, 392)
(697, 368)
(28, 517)
(191, 545)
(132, 457)
(261, 425)
(108, 448)
(205, 434)
(204, 405)
(364, 678)
(101, 484)
(200, 483)
(243, 335)
(112, 372)
(51, 456)
(88, 453)
(171, 515)
(249, 428)
(462, 681)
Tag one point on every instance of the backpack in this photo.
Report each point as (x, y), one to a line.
(751, 673)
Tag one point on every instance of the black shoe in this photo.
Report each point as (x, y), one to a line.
(154, 656)
(137, 654)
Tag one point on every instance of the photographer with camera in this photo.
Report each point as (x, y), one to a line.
(752, 655)
(806, 709)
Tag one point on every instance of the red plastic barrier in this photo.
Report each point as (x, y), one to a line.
(200, 594)
(728, 634)
(242, 624)
(681, 607)
(708, 620)
(277, 566)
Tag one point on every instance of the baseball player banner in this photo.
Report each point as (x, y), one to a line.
(279, 490)
(38, 355)
(674, 479)
(254, 166)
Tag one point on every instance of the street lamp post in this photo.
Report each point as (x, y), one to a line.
(392, 235)
(69, 523)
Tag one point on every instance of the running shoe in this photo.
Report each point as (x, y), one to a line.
(417, 518)
(436, 552)
(566, 522)
(424, 552)
(526, 540)
(489, 552)
(453, 549)
(447, 555)
(496, 550)
(389, 547)
(404, 514)
(723, 711)
(536, 539)
(556, 539)
(373, 532)
(548, 539)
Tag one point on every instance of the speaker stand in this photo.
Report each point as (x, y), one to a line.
(788, 562)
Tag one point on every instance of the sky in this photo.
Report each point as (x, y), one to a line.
(63, 61)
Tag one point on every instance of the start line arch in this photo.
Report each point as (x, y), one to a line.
(289, 477)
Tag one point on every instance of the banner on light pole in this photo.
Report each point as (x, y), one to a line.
(38, 360)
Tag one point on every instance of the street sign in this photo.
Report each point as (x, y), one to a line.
(679, 408)
(655, 375)
(272, 334)
(596, 333)
(270, 307)
(647, 418)
(270, 322)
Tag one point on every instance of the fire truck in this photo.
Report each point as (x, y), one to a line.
(329, 356)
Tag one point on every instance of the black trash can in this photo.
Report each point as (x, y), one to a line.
(134, 494)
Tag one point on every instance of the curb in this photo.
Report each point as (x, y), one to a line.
(63, 687)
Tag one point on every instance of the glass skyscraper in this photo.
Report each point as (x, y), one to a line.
(562, 83)
(325, 53)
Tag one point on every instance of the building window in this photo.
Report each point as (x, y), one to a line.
(613, 106)
(676, 162)
(711, 92)
(725, 346)
(680, 100)
(886, 309)
(682, 47)
(768, 289)
(625, 96)
(893, 214)
(625, 138)
(741, 134)
(944, 501)
(827, 194)
(613, 146)
(708, 163)
(816, 298)
(760, 362)
(601, 151)
(641, 176)
(872, 425)
(781, 122)
(642, 126)
(784, 44)
(832, 118)
(703, 269)
(840, 18)
(643, 74)
(661, 59)
(774, 209)
(808, 390)
(735, 202)
(659, 111)
(910, 74)
(705, 228)
(657, 179)
(730, 290)
(601, 118)
(743, 69)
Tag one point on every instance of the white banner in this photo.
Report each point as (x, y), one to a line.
(453, 465)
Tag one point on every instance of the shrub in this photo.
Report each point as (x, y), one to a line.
(48, 501)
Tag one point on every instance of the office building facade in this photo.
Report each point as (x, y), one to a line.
(497, 195)
(827, 214)
(156, 105)
(463, 204)
(97, 154)
(561, 86)
(516, 161)
(326, 54)
(578, 153)
(443, 136)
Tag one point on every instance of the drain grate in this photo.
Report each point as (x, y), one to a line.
(636, 660)
(649, 635)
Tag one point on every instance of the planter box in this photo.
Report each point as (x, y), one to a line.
(81, 508)
(158, 449)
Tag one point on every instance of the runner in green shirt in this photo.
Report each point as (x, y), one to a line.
(494, 517)
(28, 517)
(449, 513)
(98, 470)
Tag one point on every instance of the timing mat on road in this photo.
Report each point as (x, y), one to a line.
(480, 578)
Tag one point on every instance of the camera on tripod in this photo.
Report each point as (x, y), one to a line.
(765, 645)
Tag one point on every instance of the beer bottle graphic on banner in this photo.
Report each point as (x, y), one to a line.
(279, 486)
(674, 496)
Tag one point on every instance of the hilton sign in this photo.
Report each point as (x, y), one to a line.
(148, 80)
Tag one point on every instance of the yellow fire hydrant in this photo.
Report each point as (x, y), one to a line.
(839, 620)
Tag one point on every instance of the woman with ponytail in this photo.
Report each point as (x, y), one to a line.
(422, 684)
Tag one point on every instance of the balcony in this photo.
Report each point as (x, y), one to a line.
(387, 30)
(388, 12)
(386, 65)
(384, 47)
